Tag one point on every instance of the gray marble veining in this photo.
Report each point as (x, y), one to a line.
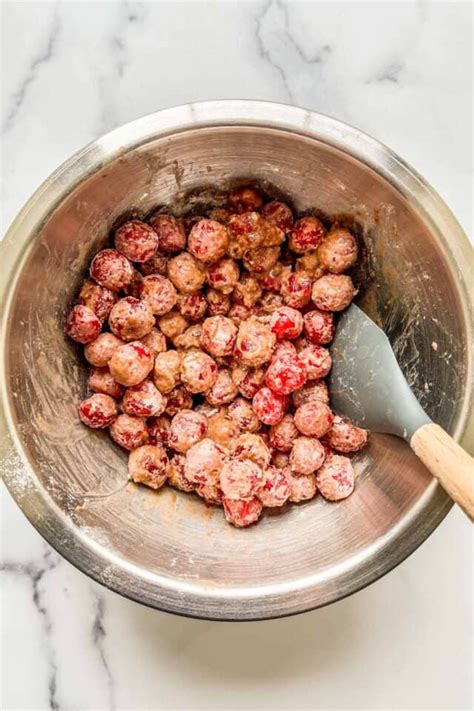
(75, 70)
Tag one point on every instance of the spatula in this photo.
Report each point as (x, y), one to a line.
(368, 386)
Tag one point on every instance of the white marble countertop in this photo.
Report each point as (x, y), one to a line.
(400, 71)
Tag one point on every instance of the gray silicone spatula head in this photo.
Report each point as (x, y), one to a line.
(366, 382)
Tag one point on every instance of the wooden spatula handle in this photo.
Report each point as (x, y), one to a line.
(448, 462)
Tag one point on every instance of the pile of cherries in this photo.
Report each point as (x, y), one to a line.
(207, 340)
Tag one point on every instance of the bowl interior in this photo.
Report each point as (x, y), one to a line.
(170, 541)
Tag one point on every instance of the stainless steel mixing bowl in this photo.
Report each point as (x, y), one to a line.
(167, 550)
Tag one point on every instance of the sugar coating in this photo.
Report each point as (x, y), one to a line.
(302, 487)
(218, 303)
(172, 324)
(98, 411)
(224, 389)
(129, 432)
(222, 428)
(316, 360)
(218, 335)
(159, 293)
(286, 323)
(286, 373)
(333, 292)
(307, 455)
(204, 462)
(242, 412)
(247, 291)
(178, 399)
(212, 330)
(136, 240)
(167, 370)
(248, 380)
(319, 326)
(250, 231)
(187, 428)
(189, 339)
(280, 214)
(272, 234)
(82, 324)
(335, 479)
(207, 409)
(254, 343)
(306, 234)
(247, 232)
(193, 306)
(198, 371)
(223, 275)
(240, 479)
(101, 380)
(344, 436)
(261, 260)
(158, 429)
(251, 446)
(131, 319)
(284, 347)
(313, 418)
(131, 363)
(171, 234)
(275, 490)
(176, 475)
(310, 264)
(274, 279)
(269, 406)
(208, 240)
(268, 304)
(239, 313)
(155, 341)
(242, 513)
(296, 289)
(101, 350)
(186, 273)
(338, 251)
(283, 434)
(143, 400)
(98, 299)
(314, 390)
(111, 269)
(148, 465)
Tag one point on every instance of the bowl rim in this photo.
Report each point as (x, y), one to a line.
(256, 603)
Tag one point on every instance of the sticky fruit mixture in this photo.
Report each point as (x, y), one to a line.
(208, 343)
